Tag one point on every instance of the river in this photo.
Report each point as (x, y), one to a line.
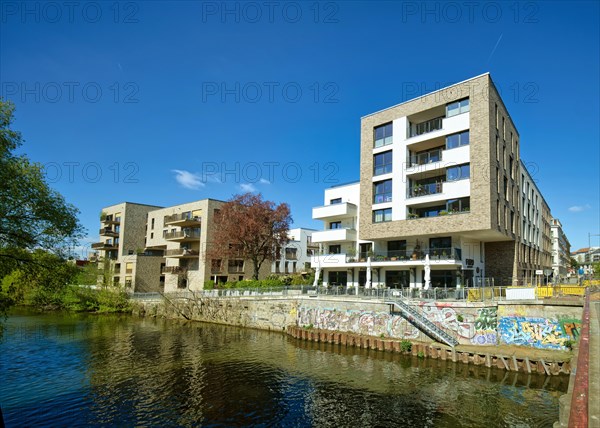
(113, 370)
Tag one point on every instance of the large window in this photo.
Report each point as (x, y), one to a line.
(459, 172)
(338, 277)
(335, 225)
(335, 201)
(382, 192)
(457, 107)
(383, 135)
(382, 163)
(458, 205)
(380, 216)
(396, 248)
(457, 140)
(335, 249)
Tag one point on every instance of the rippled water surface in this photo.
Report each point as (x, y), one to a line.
(78, 370)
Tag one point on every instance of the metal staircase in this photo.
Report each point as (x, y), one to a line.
(422, 323)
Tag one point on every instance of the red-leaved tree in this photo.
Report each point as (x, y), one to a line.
(250, 228)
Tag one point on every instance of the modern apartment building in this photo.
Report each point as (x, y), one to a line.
(441, 183)
(561, 250)
(295, 257)
(122, 256)
(149, 248)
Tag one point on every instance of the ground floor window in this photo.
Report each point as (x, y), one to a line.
(397, 278)
(338, 277)
(442, 278)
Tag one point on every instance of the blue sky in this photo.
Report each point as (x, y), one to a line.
(169, 102)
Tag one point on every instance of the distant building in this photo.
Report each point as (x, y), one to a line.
(149, 248)
(587, 255)
(561, 250)
(295, 257)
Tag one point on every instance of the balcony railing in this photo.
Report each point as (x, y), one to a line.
(425, 189)
(408, 255)
(108, 232)
(181, 252)
(109, 219)
(425, 158)
(186, 218)
(104, 246)
(235, 269)
(174, 269)
(427, 126)
(182, 235)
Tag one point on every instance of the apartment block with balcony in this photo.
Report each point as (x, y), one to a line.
(440, 177)
(122, 258)
(561, 250)
(295, 257)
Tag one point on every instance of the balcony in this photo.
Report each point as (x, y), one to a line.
(109, 232)
(182, 253)
(334, 235)
(109, 219)
(334, 211)
(105, 246)
(425, 158)
(412, 257)
(426, 127)
(183, 235)
(235, 269)
(183, 219)
(174, 269)
(425, 189)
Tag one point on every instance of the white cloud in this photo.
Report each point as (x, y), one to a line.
(187, 179)
(579, 208)
(248, 187)
(264, 181)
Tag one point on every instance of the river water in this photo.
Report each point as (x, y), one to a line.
(105, 370)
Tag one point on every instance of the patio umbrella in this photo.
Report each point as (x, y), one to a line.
(427, 272)
(368, 281)
(317, 274)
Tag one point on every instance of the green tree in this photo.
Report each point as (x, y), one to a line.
(37, 225)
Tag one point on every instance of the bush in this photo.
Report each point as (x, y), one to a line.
(405, 345)
(209, 285)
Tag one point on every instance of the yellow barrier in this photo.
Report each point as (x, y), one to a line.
(474, 294)
(560, 290)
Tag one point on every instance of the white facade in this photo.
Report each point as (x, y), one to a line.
(295, 257)
(561, 250)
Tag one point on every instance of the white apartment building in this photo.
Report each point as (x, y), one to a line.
(295, 257)
(561, 251)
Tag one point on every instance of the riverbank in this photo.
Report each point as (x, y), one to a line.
(489, 334)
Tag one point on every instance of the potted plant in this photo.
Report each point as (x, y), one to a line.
(416, 251)
(443, 212)
(351, 254)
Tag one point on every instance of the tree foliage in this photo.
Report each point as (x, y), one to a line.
(37, 225)
(250, 228)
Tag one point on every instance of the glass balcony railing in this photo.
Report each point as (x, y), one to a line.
(425, 189)
(425, 158)
(425, 127)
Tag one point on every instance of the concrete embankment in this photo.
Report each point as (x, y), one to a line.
(527, 337)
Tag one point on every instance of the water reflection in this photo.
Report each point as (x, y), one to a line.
(78, 370)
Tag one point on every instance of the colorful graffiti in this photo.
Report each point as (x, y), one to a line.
(570, 327)
(486, 325)
(358, 321)
(446, 317)
(535, 332)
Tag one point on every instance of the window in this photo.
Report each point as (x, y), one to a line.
(457, 107)
(382, 192)
(152, 224)
(277, 268)
(335, 225)
(235, 266)
(335, 249)
(380, 216)
(128, 267)
(383, 135)
(396, 248)
(440, 243)
(382, 163)
(335, 201)
(511, 167)
(291, 253)
(151, 235)
(459, 172)
(496, 113)
(457, 140)
(458, 205)
(505, 188)
(503, 128)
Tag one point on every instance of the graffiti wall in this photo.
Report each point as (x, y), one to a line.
(486, 325)
(358, 321)
(541, 333)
